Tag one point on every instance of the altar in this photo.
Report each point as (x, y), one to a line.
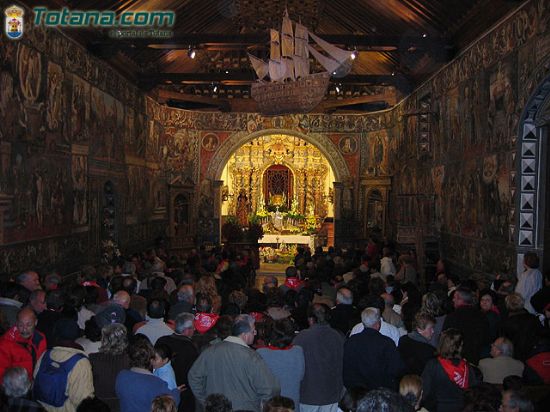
(277, 240)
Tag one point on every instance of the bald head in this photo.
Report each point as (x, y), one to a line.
(122, 298)
(26, 322)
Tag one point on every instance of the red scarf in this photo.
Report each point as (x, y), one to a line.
(205, 321)
(456, 373)
(293, 283)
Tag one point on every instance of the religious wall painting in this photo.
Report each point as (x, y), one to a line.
(466, 112)
(30, 75)
(453, 127)
(79, 176)
(502, 98)
(347, 145)
(181, 155)
(56, 99)
(11, 108)
(79, 110)
(107, 123)
(141, 134)
(210, 142)
(129, 131)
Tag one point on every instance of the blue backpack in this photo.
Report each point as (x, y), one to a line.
(50, 382)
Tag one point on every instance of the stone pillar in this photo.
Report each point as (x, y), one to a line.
(217, 194)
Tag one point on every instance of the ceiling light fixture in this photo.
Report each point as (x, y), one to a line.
(192, 53)
(424, 35)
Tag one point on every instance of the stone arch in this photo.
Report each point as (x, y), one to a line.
(321, 141)
(531, 208)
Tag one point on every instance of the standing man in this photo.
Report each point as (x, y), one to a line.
(29, 280)
(322, 386)
(22, 345)
(234, 370)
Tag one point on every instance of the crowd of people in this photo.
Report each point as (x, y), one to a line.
(353, 330)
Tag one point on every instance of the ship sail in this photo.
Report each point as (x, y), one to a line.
(301, 52)
(260, 67)
(291, 87)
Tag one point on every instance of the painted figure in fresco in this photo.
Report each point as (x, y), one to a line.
(30, 75)
(210, 142)
(242, 209)
(78, 110)
(53, 114)
(38, 185)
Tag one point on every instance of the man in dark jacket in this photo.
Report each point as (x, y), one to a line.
(371, 359)
(469, 320)
(344, 315)
(323, 349)
(185, 354)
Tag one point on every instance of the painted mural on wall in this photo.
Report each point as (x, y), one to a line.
(478, 102)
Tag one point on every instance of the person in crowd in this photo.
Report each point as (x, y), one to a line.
(155, 327)
(137, 386)
(55, 304)
(29, 280)
(93, 404)
(407, 272)
(163, 403)
(530, 280)
(371, 360)
(483, 397)
(446, 377)
(233, 369)
(185, 302)
(384, 400)
(185, 353)
(292, 281)
(471, 322)
(488, 305)
(162, 364)
(410, 387)
(79, 382)
(390, 315)
(206, 285)
(387, 266)
(109, 361)
(542, 297)
(285, 360)
(279, 404)
(501, 363)
(521, 327)
(11, 302)
(323, 347)
(344, 315)
(216, 402)
(516, 401)
(432, 304)
(16, 386)
(37, 301)
(415, 347)
(376, 301)
(22, 344)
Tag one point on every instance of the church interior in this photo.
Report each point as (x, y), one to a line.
(432, 135)
(208, 168)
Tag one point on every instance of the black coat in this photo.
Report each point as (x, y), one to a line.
(344, 317)
(522, 329)
(185, 354)
(415, 354)
(475, 329)
(371, 360)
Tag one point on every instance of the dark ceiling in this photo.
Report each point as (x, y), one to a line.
(400, 43)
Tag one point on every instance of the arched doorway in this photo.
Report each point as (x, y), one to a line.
(532, 220)
(278, 188)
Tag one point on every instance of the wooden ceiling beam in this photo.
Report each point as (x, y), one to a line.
(163, 96)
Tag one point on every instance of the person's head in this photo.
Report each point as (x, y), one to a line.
(184, 324)
(141, 353)
(487, 300)
(114, 339)
(388, 300)
(55, 300)
(463, 297)
(238, 298)
(216, 402)
(52, 281)
(349, 401)
(383, 400)
(512, 382)
(270, 282)
(37, 301)
(29, 280)
(410, 387)
(370, 317)
(93, 404)
(26, 322)
(515, 401)
(282, 333)
(502, 347)
(186, 294)
(156, 309)
(318, 314)
(16, 382)
(514, 302)
(451, 343)
(279, 404)
(129, 268)
(377, 286)
(531, 260)
(424, 324)
(122, 298)
(163, 403)
(431, 303)
(244, 328)
(163, 355)
(291, 272)
(344, 296)
(204, 303)
(129, 284)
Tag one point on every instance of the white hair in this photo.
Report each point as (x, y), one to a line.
(16, 382)
(370, 317)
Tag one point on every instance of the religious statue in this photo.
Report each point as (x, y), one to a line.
(242, 209)
(278, 219)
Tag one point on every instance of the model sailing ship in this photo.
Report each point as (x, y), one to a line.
(292, 88)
